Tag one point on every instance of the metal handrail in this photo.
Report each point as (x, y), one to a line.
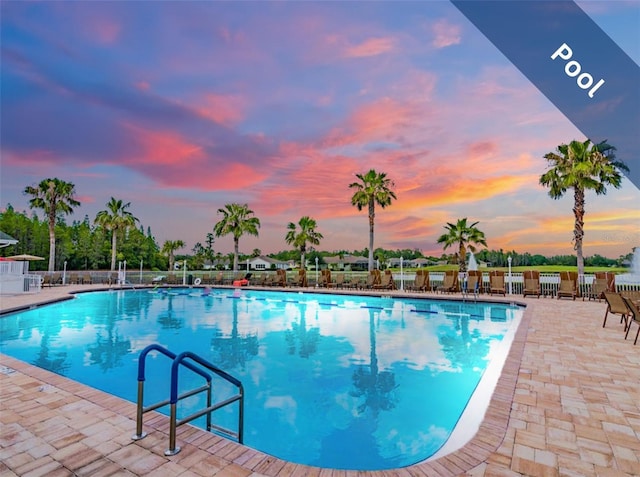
(174, 423)
(179, 360)
(141, 378)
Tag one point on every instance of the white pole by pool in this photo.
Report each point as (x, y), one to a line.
(184, 273)
(141, 270)
(401, 274)
(509, 260)
(64, 274)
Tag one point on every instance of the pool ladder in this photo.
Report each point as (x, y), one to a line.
(181, 360)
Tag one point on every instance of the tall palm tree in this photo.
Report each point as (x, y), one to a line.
(117, 219)
(581, 166)
(466, 236)
(373, 188)
(237, 220)
(307, 234)
(169, 247)
(54, 197)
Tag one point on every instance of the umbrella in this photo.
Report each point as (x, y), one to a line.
(25, 257)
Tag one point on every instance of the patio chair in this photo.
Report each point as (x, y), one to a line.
(531, 283)
(473, 282)
(386, 282)
(610, 277)
(450, 283)
(617, 306)
(496, 283)
(218, 279)
(568, 287)
(597, 288)
(86, 279)
(280, 279)
(340, 283)
(325, 278)
(300, 280)
(420, 280)
(634, 316)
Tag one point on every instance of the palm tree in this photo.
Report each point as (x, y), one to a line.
(115, 218)
(168, 249)
(55, 197)
(465, 236)
(581, 166)
(237, 220)
(373, 188)
(307, 234)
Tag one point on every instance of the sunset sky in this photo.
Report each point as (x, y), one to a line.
(183, 107)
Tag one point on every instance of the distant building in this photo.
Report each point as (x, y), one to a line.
(267, 263)
(347, 262)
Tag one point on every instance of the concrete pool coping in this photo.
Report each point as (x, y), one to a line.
(551, 413)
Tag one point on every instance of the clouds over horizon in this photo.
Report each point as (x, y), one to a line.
(279, 107)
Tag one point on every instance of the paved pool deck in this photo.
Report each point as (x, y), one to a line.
(567, 404)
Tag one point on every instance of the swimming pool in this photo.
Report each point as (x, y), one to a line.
(331, 380)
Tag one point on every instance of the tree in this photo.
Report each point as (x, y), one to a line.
(55, 197)
(373, 188)
(300, 239)
(581, 166)
(465, 236)
(169, 248)
(117, 219)
(237, 220)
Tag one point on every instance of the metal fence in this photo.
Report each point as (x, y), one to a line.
(514, 283)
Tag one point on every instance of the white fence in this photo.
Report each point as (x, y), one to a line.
(15, 278)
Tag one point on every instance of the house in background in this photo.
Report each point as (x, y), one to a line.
(263, 262)
(347, 262)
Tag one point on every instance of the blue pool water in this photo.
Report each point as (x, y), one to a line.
(336, 381)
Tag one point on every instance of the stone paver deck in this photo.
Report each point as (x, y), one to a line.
(567, 404)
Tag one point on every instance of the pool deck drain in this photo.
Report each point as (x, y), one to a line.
(567, 403)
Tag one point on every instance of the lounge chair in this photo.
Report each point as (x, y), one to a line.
(473, 283)
(634, 316)
(610, 278)
(597, 289)
(86, 279)
(450, 283)
(340, 283)
(325, 278)
(280, 279)
(496, 283)
(300, 280)
(386, 282)
(568, 287)
(420, 281)
(617, 306)
(531, 283)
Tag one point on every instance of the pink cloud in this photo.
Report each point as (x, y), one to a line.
(173, 161)
(370, 47)
(222, 109)
(445, 34)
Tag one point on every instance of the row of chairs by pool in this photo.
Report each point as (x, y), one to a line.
(528, 283)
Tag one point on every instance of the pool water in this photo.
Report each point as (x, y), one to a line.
(338, 381)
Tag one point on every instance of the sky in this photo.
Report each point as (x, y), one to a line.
(182, 107)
